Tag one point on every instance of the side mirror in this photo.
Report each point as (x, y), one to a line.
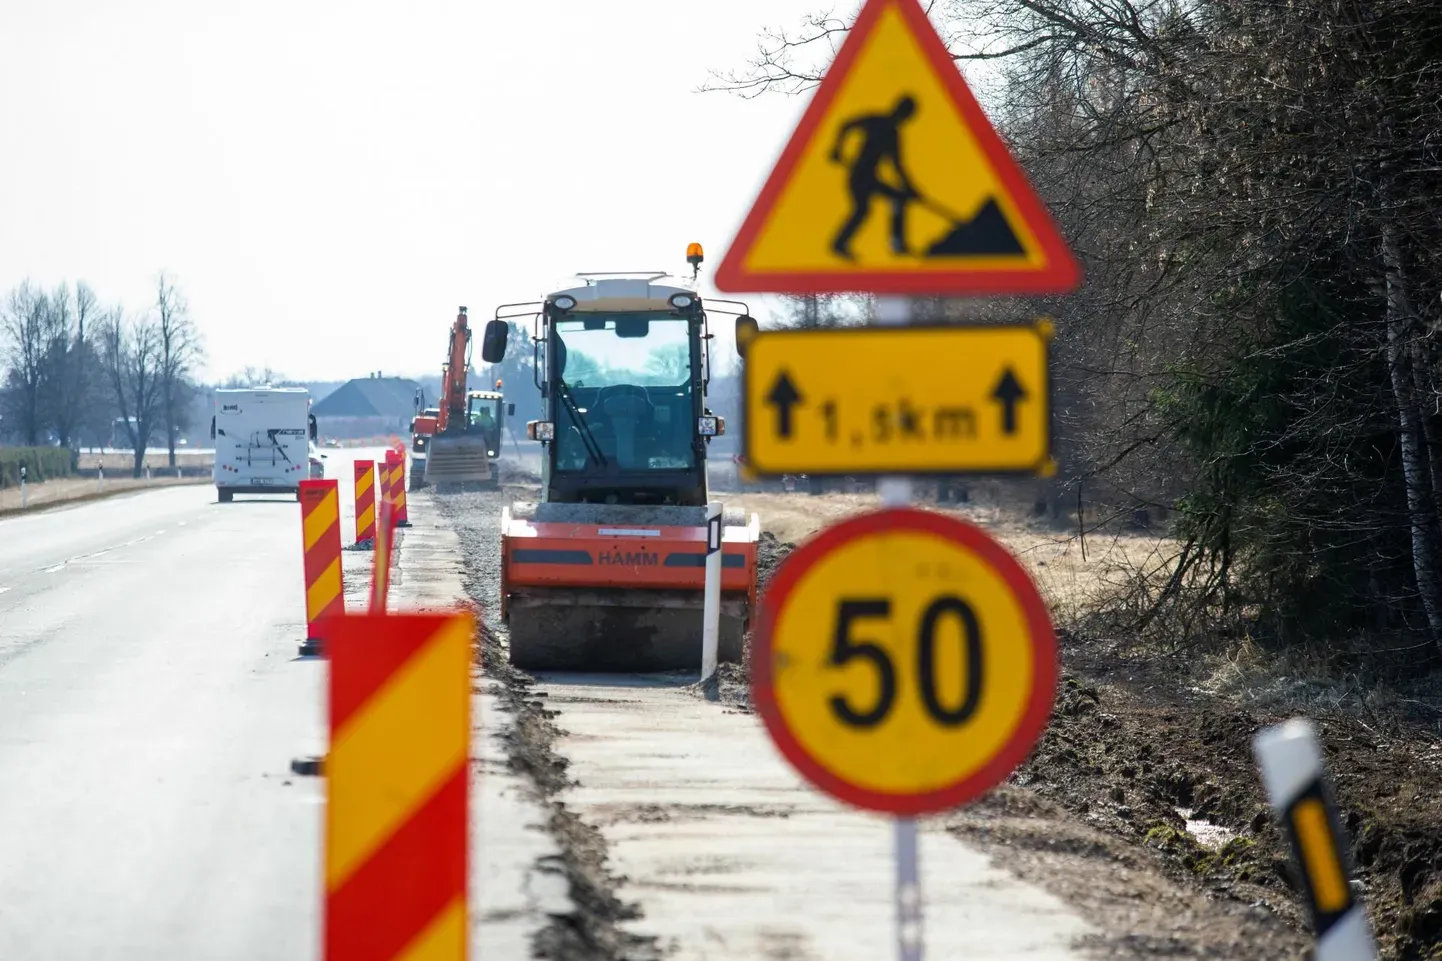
(493, 344)
(212, 428)
(746, 328)
(314, 430)
(510, 410)
(711, 425)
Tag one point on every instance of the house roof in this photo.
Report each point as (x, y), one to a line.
(369, 397)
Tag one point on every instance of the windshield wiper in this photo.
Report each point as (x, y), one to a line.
(593, 448)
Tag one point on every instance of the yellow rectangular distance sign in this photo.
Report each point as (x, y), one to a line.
(946, 399)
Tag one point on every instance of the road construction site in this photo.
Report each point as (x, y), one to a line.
(151, 704)
(630, 706)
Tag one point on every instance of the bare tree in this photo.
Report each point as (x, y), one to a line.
(131, 355)
(824, 310)
(1252, 188)
(254, 377)
(25, 340)
(180, 352)
(69, 397)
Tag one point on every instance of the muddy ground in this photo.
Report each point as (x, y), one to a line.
(1151, 770)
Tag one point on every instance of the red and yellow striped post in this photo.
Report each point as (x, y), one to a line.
(381, 560)
(365, 501)
(387, 470)
(397, 461)
(397, 786)
(320, 538)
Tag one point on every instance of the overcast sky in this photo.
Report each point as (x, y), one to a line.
(328, 181)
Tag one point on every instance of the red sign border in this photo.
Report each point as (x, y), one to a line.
(1042, 638)
(1062, 274)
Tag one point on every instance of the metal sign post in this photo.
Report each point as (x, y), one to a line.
(895, 491)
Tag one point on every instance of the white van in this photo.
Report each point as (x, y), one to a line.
(263, 438)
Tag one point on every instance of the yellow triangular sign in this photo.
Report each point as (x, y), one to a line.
(896, 182)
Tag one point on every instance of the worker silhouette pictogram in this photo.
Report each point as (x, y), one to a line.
(881, 143)
(985, 233)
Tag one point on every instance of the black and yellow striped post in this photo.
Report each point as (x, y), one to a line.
(1290, 760)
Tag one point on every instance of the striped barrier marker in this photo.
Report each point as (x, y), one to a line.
(397, 788)
(388, 483)
(381, 560)
(1290, 760)
(365, 501)
(320, 538)
(398, 484)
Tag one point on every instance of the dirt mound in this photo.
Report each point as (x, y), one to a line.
(1135, 747)
(987, 234)
(770, 552)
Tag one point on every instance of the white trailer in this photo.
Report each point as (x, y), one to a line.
(263, 439)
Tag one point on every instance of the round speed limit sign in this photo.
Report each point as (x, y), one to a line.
(904, 661)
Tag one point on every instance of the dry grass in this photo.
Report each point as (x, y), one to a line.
(1120, 577)
(1304, 680)
(1072, 580)
(80, 488)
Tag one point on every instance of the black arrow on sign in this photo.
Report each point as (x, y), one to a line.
(1008, 393)
(783, 396)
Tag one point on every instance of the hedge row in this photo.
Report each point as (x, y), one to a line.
(42, 463)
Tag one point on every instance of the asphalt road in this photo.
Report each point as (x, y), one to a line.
(151, 702)
(149, 709)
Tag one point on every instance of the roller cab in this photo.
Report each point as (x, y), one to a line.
(606, 571)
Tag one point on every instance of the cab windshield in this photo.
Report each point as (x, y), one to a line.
(624, 393)
(485, 414)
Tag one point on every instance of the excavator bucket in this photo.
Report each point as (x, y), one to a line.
(460, 460)
(607, 588)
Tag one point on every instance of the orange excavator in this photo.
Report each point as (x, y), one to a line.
(460, 450)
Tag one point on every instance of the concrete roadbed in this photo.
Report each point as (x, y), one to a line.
(732, 856)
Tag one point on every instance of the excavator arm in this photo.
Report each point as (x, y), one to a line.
(458, 455)
(458, 362)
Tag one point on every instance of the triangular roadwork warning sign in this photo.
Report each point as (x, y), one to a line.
(896, 182)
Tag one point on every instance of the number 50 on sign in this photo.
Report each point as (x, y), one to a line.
(904, 661)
